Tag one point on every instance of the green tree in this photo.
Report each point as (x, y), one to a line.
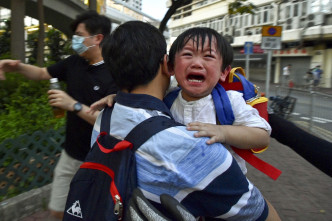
(241, 7)
(24, 107)
(5, 40)
(57, 45)
(32, 46)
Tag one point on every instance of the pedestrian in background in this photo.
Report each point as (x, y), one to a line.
(316, 73)
(88, 80)
(286, 74)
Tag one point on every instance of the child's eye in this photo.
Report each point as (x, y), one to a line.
(186, 54)
(209, 56)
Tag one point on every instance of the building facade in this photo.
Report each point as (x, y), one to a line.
(306, 39)
(134, 3)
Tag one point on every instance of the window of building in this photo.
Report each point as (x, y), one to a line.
(327, 5)
(304, 8)
(315, 6)
(265, 16)
(246, 20)
(288, 12)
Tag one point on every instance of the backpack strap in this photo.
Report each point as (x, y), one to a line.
(147, 128)
(223, 105)
(106, 119)
(170, 97)
(141, 132)
(237, 81)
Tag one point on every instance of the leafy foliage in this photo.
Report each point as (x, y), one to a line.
(5, 40)
(32, 44)
(24, 104)
(241, 7)
(24, 107)
(57, 45)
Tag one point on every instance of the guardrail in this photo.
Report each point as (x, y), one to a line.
(312, 110)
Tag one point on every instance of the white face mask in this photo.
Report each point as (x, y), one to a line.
(77, 44)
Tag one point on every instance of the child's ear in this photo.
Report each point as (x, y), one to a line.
(225, 73)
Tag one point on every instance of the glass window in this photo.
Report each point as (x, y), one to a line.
(259, 18)
(265, 16)
(246, 20)
(304, 8)
(327, 5)
(315, 6)
(296, 10)
(287, 12)
(253, 19)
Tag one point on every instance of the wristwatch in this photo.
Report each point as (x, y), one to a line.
(77, 107)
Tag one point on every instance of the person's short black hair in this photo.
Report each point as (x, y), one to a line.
(94, 23)
(195, 34)
(133, 53)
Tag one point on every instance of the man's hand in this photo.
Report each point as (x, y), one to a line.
(99, 105)
(8, 66)
(60, 99)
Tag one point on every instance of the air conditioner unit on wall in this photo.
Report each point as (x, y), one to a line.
(229, 31)
(315, 19)
(288, 24)
(292, 23)
(258, 31)
(239, 32)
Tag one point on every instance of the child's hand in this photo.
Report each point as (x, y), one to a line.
(99, 105)
(215, 132)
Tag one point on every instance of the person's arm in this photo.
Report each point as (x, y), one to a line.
(29, 71)
(242, 137)
(272, 215)
(100, 104)
(60, 99)
(315, 150)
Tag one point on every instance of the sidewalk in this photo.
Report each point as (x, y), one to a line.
(302, 192)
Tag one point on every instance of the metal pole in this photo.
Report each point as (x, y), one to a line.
(247, 65)
(311, 110)
(268, 73)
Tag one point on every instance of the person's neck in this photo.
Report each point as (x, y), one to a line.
(147, 91)
(94, 57)
(156, 88)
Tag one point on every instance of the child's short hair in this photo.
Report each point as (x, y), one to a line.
(133, 53)
(223, 47)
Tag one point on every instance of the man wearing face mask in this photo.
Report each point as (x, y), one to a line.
(87, 81)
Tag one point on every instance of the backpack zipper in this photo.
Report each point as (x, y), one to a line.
(118, 205)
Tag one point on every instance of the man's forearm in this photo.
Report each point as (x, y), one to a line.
(33, 72)
(90, 118)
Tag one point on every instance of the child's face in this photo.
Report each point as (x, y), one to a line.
(198, 71)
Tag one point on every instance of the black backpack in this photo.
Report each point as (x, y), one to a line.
(102, 187)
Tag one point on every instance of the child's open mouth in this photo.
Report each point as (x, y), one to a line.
(195, 78)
